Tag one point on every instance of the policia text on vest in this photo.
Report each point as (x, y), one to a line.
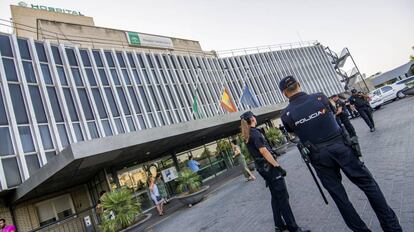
(329, 154)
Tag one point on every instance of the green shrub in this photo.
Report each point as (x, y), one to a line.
(188, 181)
(120, 210)
(275, 137)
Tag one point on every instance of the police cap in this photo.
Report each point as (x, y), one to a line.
(247, 115)
(354, 91)
(286, 82)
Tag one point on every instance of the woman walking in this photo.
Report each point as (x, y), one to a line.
(155, 196)
(239, 158)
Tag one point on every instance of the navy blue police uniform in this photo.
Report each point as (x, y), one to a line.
(343, 118)
(363, 108)
(282, 212)
(310, 117)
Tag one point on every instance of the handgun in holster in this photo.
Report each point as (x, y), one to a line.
(353, 143)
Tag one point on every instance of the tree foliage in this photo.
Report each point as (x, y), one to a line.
(188, 181)
(275, 137)
(120, 210)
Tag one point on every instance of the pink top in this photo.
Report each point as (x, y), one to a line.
(8, 228)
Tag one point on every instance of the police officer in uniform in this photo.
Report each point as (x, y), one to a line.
(360, 101)
(342, 115)
(272, 173)
(311, 119)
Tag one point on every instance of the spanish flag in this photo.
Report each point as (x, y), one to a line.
(227, 103)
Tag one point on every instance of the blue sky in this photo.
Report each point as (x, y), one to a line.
(378, 33)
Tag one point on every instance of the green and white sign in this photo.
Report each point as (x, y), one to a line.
(51, 9)
(143, 40)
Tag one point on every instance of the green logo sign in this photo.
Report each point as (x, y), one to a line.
(133, 38)
(51, 9)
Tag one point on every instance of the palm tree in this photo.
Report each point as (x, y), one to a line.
(188, 181)
(120, 210)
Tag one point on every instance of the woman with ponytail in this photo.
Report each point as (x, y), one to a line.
(272, 173)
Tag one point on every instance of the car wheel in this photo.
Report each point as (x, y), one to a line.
(400, 95)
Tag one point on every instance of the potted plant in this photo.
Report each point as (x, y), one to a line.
(120, 210)
(189, 184)
(277, 140)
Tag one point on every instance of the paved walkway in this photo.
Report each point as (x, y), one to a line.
(245, 207)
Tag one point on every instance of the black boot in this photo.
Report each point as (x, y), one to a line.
(301, 230)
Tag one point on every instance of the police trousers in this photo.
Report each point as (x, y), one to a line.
(282, 212)
(366, 114)
(348, 125)
(328, 162)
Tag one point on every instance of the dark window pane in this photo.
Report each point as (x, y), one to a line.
(120, 59)
(11, 167)
(78, 131)
(131, 60)
(18, 104)
(115, 77)
(3, 117)
(123, 101)
(37, 104)
(137, 77)
(154, 99)
(134, 99)
(77, 77)
(104, 78)
(91, 77)
(85, 104)
(131, 124)
(62, 75)
(99, 103)
(144, 98)
(26, 138)
(50, 155)
(109, 59)
(46, 74)
(46, 138)
(6, 146)
(55, 104)
(141, 61)
(98, 59)
(107, 127)
(126, 76)
(41, 53)
(142, 122)
(85, 58)
(56, 55)
(150, 61)
(24, 49)
(63, 135)
(119, 125)
(32, 163)
(71, 57)
(10, 70)
(29, 72)
(93, 130)
(5, 46)
(111, 101)
(70, 104)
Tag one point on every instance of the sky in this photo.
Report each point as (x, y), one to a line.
(378, 33)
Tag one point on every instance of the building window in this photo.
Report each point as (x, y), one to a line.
(55, 209)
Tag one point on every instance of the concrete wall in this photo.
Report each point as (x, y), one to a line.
(26, 218)
(28, 16)
(5, 212)
(81, 31)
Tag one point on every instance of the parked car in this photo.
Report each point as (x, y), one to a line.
(375, 101)
(390, 92)
(409, 83)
